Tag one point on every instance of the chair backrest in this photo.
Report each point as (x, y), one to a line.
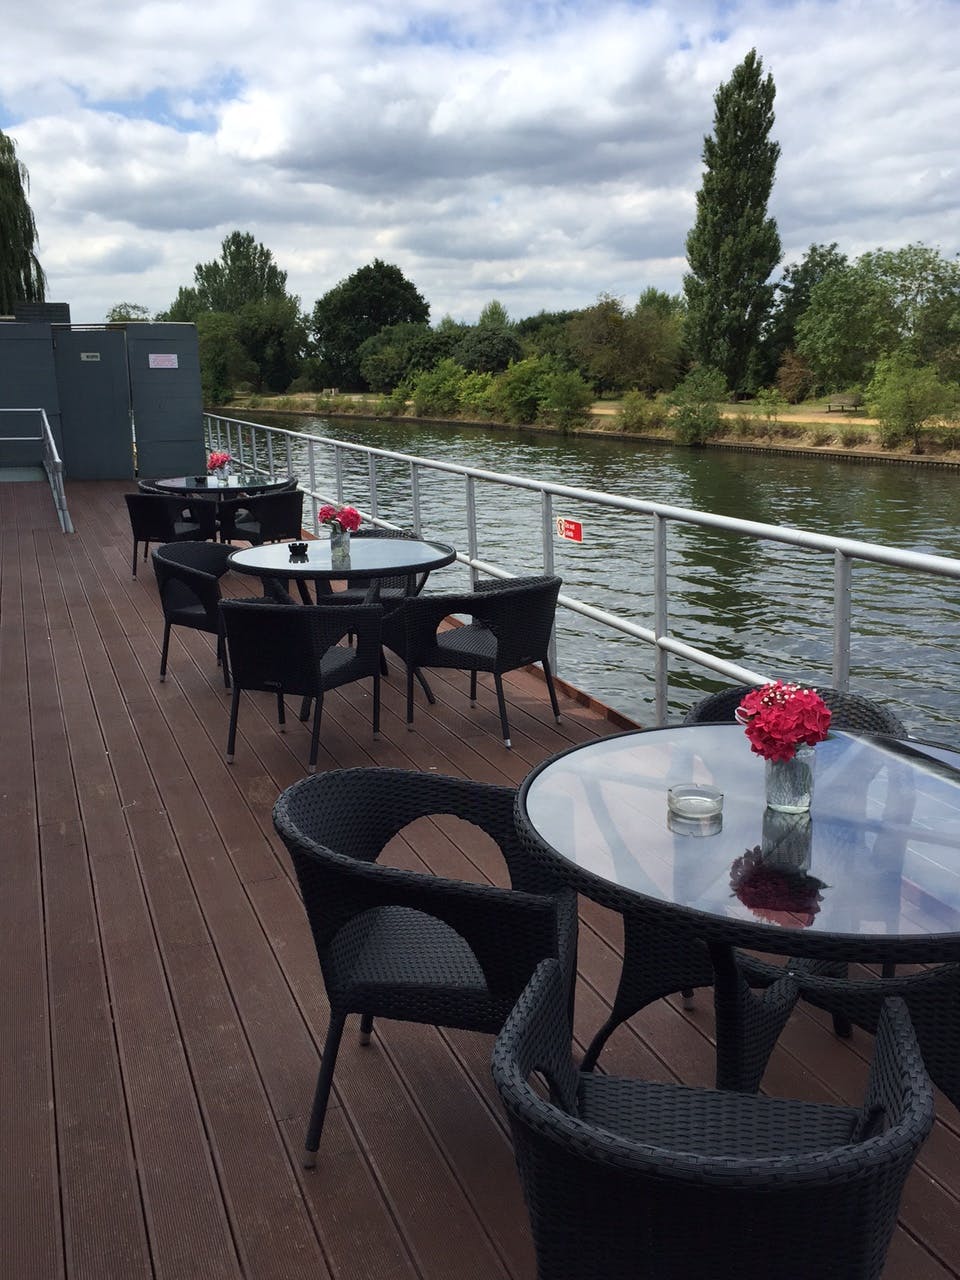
(850, 710)
(335, 826)
(153, 516)
(188, 573)
(281, 646)
(606, 1206)
(521, 611)
(410, 585)
(275, 516)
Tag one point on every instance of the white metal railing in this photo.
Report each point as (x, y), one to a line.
(239, 438)
(48, 457)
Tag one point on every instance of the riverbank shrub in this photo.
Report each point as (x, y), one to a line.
(436, 392)
(639, 412)
(905, 397)
(697, 403)
(565, 399)
(476, 395)
(518, 390)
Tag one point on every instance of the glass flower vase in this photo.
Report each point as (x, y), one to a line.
(789, 783)
(222, 474)
(339, 546)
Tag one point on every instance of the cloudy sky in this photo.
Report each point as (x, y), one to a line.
(535, 151)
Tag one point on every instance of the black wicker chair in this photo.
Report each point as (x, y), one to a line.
(391, 591)
(160, 518)
(410, 945)
(630, 1180)
(658, 961)
(268, 517)
(295, 649)
(510, 626)
(850, 711)
(188, 577)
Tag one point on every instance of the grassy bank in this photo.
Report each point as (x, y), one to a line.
(807, 427)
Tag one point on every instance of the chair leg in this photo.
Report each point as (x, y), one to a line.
(232, 731)
(281, 713)
(305, 707)
(427, 691)
(366, 1027)
(410, 670)
(376, 704)
(135, 546)
(163, 650)
(315, 734)
(548, 676)
(322, 1092)
(502, 704)
(473, 688)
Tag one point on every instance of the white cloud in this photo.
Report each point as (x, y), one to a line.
(540, 152)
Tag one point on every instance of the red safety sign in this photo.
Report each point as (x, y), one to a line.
(572, 530)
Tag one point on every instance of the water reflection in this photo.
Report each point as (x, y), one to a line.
(761, 603)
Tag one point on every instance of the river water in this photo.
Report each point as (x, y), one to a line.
(762, 604)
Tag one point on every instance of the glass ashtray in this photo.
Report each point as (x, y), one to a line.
(694, 800)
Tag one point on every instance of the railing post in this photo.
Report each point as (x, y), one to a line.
(312, 476)
(289, 455)
(270, 455)
(661, 673)
(842, 582)
(372, 481)
(338, 470)
(472, 528)
(547, 533)
(415, 496)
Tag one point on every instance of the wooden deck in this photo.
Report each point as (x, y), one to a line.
(161, 1004)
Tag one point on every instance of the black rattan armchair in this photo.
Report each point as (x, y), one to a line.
(850, 710)
(295, 649)
(630, 1180)
(510, 626)
(268, 517)
(156, 517)
(188, 577)
(410, 945)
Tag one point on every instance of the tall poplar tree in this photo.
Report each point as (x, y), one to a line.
(733, 245)
(21, 276)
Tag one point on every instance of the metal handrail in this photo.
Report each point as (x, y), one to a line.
(50, 460)
(229, 433)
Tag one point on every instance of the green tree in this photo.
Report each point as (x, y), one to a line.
(905, 396)
(600, 343)
(494, 316)
(21, 276)
(245, 272)
(436, 392)
(657, 335)
(487, 348)
(733, 245)
(374, 297)
(224, 362)
(127, 313)
(851, 321)
(565, 398)
(792, 297)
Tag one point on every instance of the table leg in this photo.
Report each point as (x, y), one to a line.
(748, 1022)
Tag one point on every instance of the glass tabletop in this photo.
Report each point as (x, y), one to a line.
(878, 856)
(368, 557)
(243, 482)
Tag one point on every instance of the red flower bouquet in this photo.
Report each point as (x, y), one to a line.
(217, 460)
(348, 519)
(779, 717)
(776, 894)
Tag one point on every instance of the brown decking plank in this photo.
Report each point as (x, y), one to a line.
(30, 1223)
(271, 1228)
(182, 1202)
(103, 1222)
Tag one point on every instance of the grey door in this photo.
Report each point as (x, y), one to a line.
(95, 404)
(28, 380)
(167, 403)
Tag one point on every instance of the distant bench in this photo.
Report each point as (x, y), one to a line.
(844, 404)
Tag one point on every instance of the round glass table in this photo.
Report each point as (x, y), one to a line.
(372, 558)
(871, 874)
